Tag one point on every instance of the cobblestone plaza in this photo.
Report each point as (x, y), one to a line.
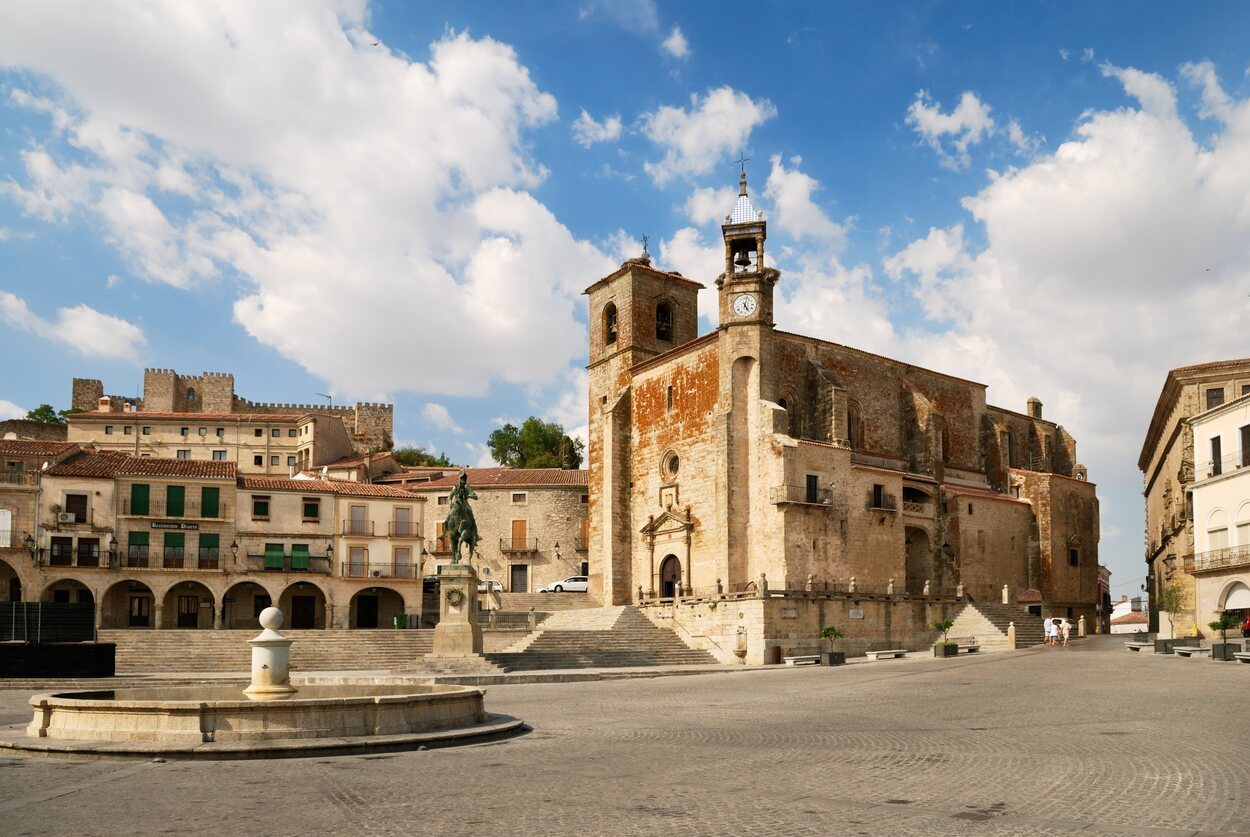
(1046, 741)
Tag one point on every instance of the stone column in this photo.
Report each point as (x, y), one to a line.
(271, 659)
(458, 633)
(158, 615)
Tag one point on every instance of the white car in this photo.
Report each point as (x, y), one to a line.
(485, 586)
(572, 584)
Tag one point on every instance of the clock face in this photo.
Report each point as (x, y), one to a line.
(744, 305)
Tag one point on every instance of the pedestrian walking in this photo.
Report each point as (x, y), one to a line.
(1050, 631)
(1065, 629)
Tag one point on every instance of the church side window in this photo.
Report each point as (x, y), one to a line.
(664, 322)
(609, 323)
(190, 393)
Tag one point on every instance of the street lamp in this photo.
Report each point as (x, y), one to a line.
(234, 549)
(29, 543)
(113, 551)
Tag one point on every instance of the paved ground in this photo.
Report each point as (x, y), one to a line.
(1089, 739)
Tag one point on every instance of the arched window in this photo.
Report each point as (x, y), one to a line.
(190, 393)
(609, 323)
(664, 322)
(1217, 530)
(1013, 458)
(854, 426)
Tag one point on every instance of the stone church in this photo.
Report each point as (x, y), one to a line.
(752, 462)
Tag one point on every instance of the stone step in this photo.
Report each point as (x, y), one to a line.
(547, 602)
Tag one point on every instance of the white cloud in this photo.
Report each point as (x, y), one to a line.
(695, 139)
(676, 44)
(966, 125)
(438, 415)
(82, 328)
(338, 185)
(1215, 102)
(707, 205)
(587, 131)
(1023, 143)
(631, 15)
(9, 410)
(790, 191)
(687, 253)
(479, 455)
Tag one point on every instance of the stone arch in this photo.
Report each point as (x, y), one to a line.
(788, 400)
(611, 324)
(128, 603)
(918, 559)
(664, 312)
(670, 576)
(188, 604)
(10, 582)
(243, 601)
(304, 605)
(375, 607)
(1234, 596)
(854, 424)
(67, 589)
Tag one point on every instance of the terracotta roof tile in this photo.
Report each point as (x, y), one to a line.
(346, 487)
(511, 478)
(109, 464)
(34, 448)
(102, 465)
(190, 418)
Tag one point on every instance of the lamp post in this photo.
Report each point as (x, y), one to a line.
(31, 547)
(113, 551)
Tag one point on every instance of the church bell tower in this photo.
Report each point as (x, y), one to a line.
(746, 287)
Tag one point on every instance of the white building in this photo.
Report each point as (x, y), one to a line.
(1220, 494)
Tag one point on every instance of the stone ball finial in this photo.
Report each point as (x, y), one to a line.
(271, 618)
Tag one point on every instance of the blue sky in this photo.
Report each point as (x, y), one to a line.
(394, 202)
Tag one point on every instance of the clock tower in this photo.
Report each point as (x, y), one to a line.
(746, 287)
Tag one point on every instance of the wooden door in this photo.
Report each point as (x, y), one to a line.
(359, 524)
(518, 535)
(188, 611)
(140, 611)
(519, 575)
(670, 577)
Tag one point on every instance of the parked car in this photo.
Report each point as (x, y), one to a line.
(572, 584)
(489, 586)
(1062, 620)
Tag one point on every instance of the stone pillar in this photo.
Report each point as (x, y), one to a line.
(1006, 595)
(217, 617)
(1080, 627)
(271, 659)
(458, 633)
(158, 615)
(1011, 635)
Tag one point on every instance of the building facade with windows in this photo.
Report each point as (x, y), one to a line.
(173, 543)
(533, 524)
(1220, 562)
(1167, 463)
(750, 458)
(22, 463)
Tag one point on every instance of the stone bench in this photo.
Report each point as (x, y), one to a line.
(892, 653)
(802, 660)
(969, 649)
(1242, 657)
(1190, 650)
(1138, 646)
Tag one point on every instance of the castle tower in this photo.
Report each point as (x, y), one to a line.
(636, 313)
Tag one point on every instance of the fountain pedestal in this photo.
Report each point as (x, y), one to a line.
(458, 633)
(271, 660)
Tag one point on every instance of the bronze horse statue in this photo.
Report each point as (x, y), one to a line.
(460, 527)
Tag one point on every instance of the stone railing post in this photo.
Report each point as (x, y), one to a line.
(1006, 595)
(959, 591)
(720, 588)
(532, 620)
(927, 589)
(1080, 627)
(1011, 635)
(889, 588)
(853, 586)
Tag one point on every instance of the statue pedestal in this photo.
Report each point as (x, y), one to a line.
(458, 633)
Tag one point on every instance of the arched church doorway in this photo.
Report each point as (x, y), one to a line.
(670, 576)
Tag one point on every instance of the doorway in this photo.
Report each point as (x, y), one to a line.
(140, 612)
(670, 576)
(303, 612)
(366, 611)
(188, 611)
(519, 578)
(518, 537)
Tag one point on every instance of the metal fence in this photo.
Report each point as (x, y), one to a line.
(47, 621)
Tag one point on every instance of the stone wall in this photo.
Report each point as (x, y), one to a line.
(86, 393)
(39, 431)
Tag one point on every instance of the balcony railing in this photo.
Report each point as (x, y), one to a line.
(801, 494)
(19, 477)
(1226, 463)
(518, 544)
(63, 519)
(438, 546)
(358, 527)
(73, 557)
(1221, 559)
(399, 569)
(922, 509)
(581, 544)
(287, 564)
(886, 503)
(402, 529)
(190, 509)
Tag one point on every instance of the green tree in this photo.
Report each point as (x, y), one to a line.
(1172, 602)
(535, 444)
(48, 414)
(412, 455)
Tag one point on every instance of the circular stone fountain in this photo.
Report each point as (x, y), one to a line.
(268, 718)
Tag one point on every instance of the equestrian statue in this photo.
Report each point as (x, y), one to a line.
(460, 527)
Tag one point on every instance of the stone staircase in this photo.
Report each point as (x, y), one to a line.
(546, 602)
(227, 651)
(607, 637)
(988, 623)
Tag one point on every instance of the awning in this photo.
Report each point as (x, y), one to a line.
(1238, 598)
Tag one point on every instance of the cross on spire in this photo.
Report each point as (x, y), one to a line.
(742, 162)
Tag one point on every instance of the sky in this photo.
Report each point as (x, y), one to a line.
(403, 202)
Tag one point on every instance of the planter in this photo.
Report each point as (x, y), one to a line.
(941, 650)
(833, 658)
(1165, 646)
(1224, 651)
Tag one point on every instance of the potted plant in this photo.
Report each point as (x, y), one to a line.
(830, 657)
(945, 648)
(1223, 650)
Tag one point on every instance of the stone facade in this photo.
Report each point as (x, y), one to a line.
(27, 430)
(532, 521)
(168, 543)
(750, 457)
(369, 426)
(1167, 465)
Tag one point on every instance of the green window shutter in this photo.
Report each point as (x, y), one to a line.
(273, 556)
(210, 501)
(175, 500)
(138, 538)
(139, 498)
(209, 545)
(178, 539)
(299, 556)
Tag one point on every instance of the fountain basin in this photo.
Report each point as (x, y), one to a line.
(192, 716)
